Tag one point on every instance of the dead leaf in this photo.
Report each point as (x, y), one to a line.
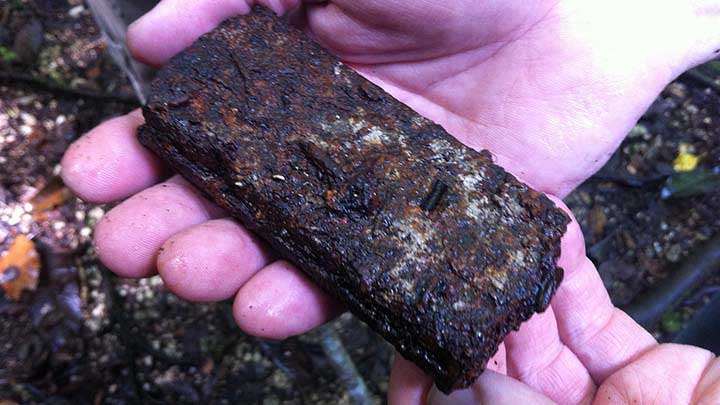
(598, 219)
(19, 267)
(208, 367)
(53, 195)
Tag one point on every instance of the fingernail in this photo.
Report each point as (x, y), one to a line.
(460, 397)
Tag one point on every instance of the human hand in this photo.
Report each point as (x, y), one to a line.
(550, 87)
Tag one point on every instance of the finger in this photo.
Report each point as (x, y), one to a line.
(703, 34)
(127, 239)
(708, 389)
(173, 25)
(603, 337)
(210, 261)
(109, 163)
(408, 384)
(280, 301)
(490, 388)
(667, 374)
(538, 358)
(498, 362)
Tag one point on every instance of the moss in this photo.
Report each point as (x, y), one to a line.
(7, 55)
(672, 322)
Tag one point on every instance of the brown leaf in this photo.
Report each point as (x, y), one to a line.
(598, 219)
(53, 195)
(208, 367)
(628, 240)
(19, 267)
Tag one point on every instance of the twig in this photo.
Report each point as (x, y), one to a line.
(614, 171)
(268, 349)
(298, 380)
(12, 78)
(344, 366)
(629, 180)
(649, 308)
(113, 29)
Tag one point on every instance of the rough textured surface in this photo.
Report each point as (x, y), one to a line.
(435, 247)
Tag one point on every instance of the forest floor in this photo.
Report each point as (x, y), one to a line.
(70, 332)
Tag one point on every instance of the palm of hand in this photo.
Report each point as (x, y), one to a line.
(540, 85)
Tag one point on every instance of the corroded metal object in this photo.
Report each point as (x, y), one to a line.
(434, 246)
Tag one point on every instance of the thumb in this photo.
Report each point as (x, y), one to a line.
(173, 25)
(491, 388)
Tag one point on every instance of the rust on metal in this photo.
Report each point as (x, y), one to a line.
(438, 249)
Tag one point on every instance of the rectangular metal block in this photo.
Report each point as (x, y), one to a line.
(438, 249)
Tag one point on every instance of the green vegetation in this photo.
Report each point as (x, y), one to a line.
(672, 322)
(7, 55)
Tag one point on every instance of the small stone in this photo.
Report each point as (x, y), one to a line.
(638, 131)
(28, 119)
(26, 130)
(76, 11)
(10, 274)
(677, 90)
(673, 253)
(585, 197)
(95, 214)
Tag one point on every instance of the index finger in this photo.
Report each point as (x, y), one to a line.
(108, 163)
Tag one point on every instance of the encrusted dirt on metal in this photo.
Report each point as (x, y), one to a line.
(438, 249)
